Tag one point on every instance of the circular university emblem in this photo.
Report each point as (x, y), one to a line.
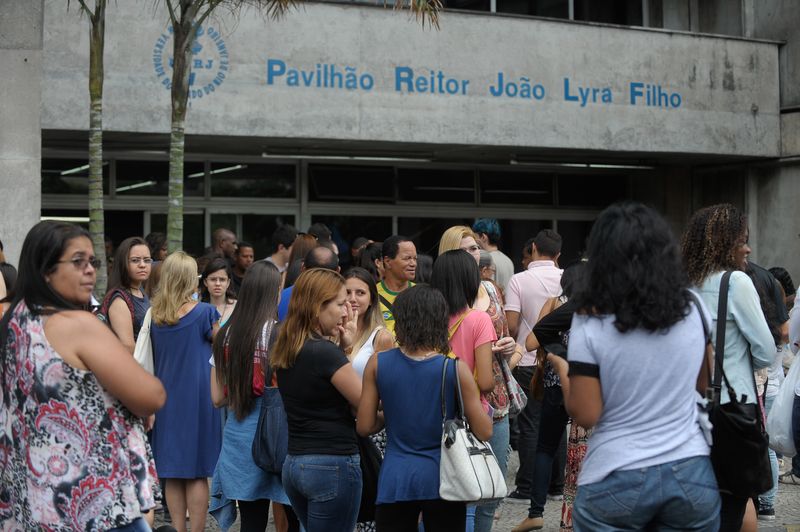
(209, 62)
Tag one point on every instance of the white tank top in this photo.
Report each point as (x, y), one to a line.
(362, 357)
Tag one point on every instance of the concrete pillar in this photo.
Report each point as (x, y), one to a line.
(21, 23)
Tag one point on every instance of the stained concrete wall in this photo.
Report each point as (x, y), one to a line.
(727, 87)
(21, 23)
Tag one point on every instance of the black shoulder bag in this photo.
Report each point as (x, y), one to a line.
(740, 450)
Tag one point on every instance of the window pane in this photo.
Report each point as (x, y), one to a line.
(514, 234)
(431, 184)
(627, 12)
(595, 191)
(574, 235)
(541, 8)
(253, 180)
(69, 176)
(426, 232)
(192, 231)
(257, 229)
(516, 187)
(373, 184)
(345, 229)
(151, 178)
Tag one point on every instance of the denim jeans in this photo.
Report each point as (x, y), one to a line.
(484, 513)
(680, 495)
(528, 425)
(767, 499)
(325, 490)
(552, 428)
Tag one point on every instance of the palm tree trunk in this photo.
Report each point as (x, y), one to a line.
(183, 36)
(96, 214)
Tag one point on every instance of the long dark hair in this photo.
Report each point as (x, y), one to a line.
(213, 266)
(235, 344)
(634, 270)
(456, 276)
(119, 276)
(41, 251)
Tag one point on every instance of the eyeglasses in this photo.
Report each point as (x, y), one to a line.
(81, 262)
(139, 260)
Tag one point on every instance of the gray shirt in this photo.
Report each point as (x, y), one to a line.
(647, 381)
(504, 268)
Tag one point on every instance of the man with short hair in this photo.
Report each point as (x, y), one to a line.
(488, 231)
(526, 295)
(242, 260)
(224, 243)
(318, 257)
(282, 240)
(399, 269)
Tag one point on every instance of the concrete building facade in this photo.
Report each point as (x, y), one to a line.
(538, 113)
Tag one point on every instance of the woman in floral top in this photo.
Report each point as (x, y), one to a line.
(70, 399)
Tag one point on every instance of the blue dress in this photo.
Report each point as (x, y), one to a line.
(187, 432)
(410, 469)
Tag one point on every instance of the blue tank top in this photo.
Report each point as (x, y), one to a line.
(410, 391)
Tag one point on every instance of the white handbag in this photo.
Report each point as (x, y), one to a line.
(468, 470)
(143, 353)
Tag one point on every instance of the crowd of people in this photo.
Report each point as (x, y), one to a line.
(593, 372)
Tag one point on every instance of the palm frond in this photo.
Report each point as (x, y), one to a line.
(423, 10)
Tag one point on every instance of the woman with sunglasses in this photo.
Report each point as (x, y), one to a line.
(70, 397)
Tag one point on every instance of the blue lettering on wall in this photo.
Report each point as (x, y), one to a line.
(522, 88)
(405, 80)
(411, 81)
(653, 96)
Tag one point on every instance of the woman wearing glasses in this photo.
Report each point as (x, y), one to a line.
(487, 361)
(70, 396)
(126, 304)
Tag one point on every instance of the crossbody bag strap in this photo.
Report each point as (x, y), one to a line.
(457, 324)
(444, 382)
(719, 350)
(386, 303)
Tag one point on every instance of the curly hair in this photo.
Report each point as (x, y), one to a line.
(710, 241)
(634, 270)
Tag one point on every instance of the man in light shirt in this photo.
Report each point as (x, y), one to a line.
(526, 294)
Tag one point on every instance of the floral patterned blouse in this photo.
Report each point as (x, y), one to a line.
(72, 457)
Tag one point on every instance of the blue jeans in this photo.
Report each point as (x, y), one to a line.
(484, 514)
(680, 495)
(324, 489)
(552, 428)
(767, 499)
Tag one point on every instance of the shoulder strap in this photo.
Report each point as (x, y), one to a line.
(457, 324)
(386, 303)
(719, 349)
(444, 382)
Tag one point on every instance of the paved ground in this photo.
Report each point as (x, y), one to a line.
(787, 511)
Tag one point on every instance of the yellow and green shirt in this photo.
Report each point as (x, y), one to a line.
(385, 294)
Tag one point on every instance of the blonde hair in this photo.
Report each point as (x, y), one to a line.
(451, 238)
(313, 290)
(175, 287)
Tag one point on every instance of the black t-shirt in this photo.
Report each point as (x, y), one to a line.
(320, 421)
(771, 298)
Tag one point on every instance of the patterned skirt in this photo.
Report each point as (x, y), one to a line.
(576, 450)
